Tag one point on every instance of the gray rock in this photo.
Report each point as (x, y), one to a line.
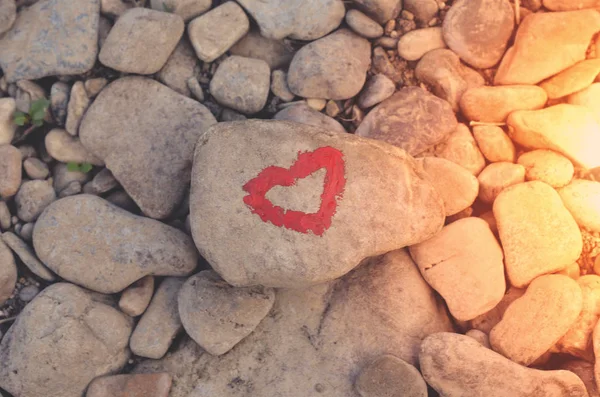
(27, 231)
(302, 239)
(69, 47)
(232, 115)
(280, 87)
(32, 198)
(213, 33)
(187, 9)
(27, 151)
(303, 114)
(218, 316)
(71, 189)
(241, 84)
(104, 27)
(195, 89)
(381, 10)
(423, 10)
(27, 256)
(363, 25)
(416, 43)
(7, 126)
(59, 102)
(388, 376)
(148, 153)
(8, 273)
(104, 181)
(297, 19)
(478, 30)
(8, 14)
(136, 298)
(62, 177)
(274, 52)
(36, 168)
(120, 249)
(28, 293)
(141, 41)
(411, 119)
(60, 342)
(78, 104)
(457, 365)
(122, 200)
(334, 67)
(160, 323)
(180, 67)
(5, 221)
(66, 148)
(377, 89)
(115, 8)
(10, 170)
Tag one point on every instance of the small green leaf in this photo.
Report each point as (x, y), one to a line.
(20, 118)
(72, 167)
(85, 168)
(38, 123)
(38, 108)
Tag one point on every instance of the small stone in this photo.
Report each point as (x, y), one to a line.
(27, 256)
(494, 143)
(333, 67)
(122, 200)
(297, 19)
(66, 148)
(5, 221)
(213, 33)
(27, 151)
(78, 104)
(582, 199)
(546, 44)
(413, 45)
(382, 64)
(10, 170)
(7, 125)
(494, 104)
(249, 97)
(141, 41)
(232, 115)
(160, 323)
(389, 43)
(460, 148)
(496, 177)
(8, 273)
(120, 249)
(187, 9)
(8, 14)
(195, 89)
(94, 86)
(32, 198)
(28, 293)
(457, 187)
(136, 298)
(389, 376)
(411, 119)
(537, 232)
(26, 232)
(588, 97)
(136, 385)
(59, 101)
(63, 177)
(36, 168)
(303, 114)
(70, 47)
(480, 337)
(114, 8)
(317, 104)
(464, 24)
(253, 45)
(279, 86)
(547, 166)
(383, 11)
(180, 67)
(423, 10)
(536, 321)
(464, 264)
(571, 130)
(377, 89)
(363, 25)
(218, 316)
(457, 365)
(103, 181)
(576, 78)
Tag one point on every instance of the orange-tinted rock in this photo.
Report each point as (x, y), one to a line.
(138, 385)
(573, 79)
(494, 104)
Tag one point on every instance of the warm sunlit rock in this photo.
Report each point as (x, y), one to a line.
(573, 79)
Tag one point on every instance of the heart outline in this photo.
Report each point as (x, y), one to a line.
(306, 164)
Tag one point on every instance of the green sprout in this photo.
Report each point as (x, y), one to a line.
(83, 167)
(35, 116)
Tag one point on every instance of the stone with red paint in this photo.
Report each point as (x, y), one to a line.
(292, 205)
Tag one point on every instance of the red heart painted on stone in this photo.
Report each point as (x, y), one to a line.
(307, 163)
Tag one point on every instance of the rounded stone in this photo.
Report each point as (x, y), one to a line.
(498, 176)
(7, 126)
(416, 43)
(363, 25)
(63, 147)
(32, 198)
(460, 148)
(36, 168)
(377, 89)
(494, 143)
(547, 166)
(10, 170)
(494, 104)
(582, 199)
(302, 113)
(187, 9)
(389, 374)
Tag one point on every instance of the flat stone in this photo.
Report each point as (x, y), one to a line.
(571, 80)
(10, 170)
(588, 97)
(160, 323)
(187, 9)
(464, 264)
(571, 130)
(533, 323)
(8, 14)
(78, 104)
(460, 148)
(136, 298)
(36, 168)
(137, 385)
(32, 198)
(381, 10)
(279, 86)
(213, 33)
(7, 125)
(411, 119)
(416, 43)
(59, 102)
(120, 249)
(150, 155)
(457, 365)
(141, 41)
(296, 19)
(377, 89)
(537, 232)
(60, 342)
(218, 316)
(53, 37)
(457, 186)
(547, 166)
(465, 23)
(582, 199)
(303, 114)
(567, 5)
(249, 97)
(27, 256)
(487, 321)
(546, 44)
(388, 375)
(309, 249)
(66, 148)
(494, 143)
(494, 104)
(180, 67)
(274, 52)
(8, 273)
(363, 25)
(496, 177)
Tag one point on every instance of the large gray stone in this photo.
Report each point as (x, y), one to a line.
(145, 133)
(90, 242)
(312, 231)
(52, 37)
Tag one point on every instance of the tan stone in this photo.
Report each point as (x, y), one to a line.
(488, 216)
(582, 199)
(8, 273)
(66, 148)
(576, 78)
(10, 170)
(494, 143)
(494, 104)
(488, 320)
(136, 298)
(461, 148)
(588, 97)
(496, 177)
(416, 43)
(547, 166)
(137, 385)
(533, 323)
(389, 376)
(480, 337)
(567, 5)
